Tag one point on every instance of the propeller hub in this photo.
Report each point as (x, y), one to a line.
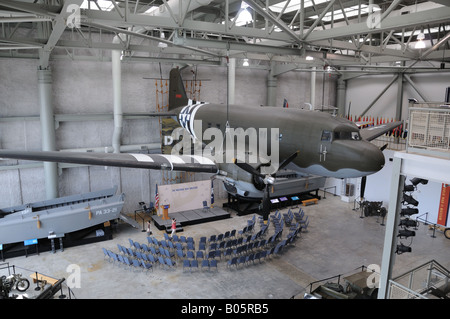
(269, 180)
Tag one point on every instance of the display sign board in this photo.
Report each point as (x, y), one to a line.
(185, 196)
(30, 242)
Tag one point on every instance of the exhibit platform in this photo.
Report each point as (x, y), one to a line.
(191, 217)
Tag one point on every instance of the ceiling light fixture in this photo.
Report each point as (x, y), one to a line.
(244, 16)
(420, 44)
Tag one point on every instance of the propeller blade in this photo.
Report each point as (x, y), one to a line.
(288, 160)
(266, 203)
(248, 168)
(363, 186)
(382, 148)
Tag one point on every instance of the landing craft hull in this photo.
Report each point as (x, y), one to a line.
(282, 187)
(68, 215)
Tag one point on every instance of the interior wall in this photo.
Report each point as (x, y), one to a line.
(79, 87)
(295, 87)
(363, 90)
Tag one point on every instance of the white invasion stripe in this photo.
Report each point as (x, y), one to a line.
(192, 120)
(203, 160)
(142, 157)
(174, 159)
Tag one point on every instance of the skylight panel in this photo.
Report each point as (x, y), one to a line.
(349, 12)
(105, 5)
(294, 5)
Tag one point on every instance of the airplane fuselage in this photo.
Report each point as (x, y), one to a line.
(328, 146)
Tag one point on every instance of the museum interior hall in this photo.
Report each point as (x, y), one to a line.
(214, 152)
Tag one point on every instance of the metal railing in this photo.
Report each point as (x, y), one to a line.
(397, 291)
(429, 128)
(418, 282)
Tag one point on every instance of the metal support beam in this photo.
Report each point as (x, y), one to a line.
(379, 95)
(58, 28)
(272, 86)
(341, 89)
(408, 79)
(315, 23)
(398, 110)
(279, 23)
(390, 239)
(231, 78)
(390, 23)
(48, 131)
(313, 88)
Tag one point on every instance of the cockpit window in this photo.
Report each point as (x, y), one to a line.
(326, 136)
(347, 135)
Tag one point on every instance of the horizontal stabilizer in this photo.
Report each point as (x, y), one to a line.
(370, 133)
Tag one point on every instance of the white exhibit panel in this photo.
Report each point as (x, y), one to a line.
(185, 196)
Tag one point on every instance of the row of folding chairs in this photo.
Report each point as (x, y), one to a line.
(155, 245)
(299, 217)
(277, 221)
(288, 217)
(199, 254)
(219, 237)
(248, 258)
(148, 250)
(230, 233)
(127, 262)
(179, 239)
(162, 256)
(225, 244)
(194, 264)
(171, 244)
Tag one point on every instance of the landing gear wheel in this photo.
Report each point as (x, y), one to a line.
(447, 233)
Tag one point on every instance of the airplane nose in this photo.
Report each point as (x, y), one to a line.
(375, 158)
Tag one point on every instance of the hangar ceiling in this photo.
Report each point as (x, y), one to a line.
(297, 33)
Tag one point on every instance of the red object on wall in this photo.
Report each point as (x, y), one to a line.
(443, 205)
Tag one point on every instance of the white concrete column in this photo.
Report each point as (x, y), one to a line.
(390, 239)
(231, 80)
(48, 130)
(313, 87)
(271, 86)
(341, 89)
(117, 95)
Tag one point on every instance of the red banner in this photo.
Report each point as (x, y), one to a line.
(443, 205)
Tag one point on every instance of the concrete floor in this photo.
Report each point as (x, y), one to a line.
(337, 241)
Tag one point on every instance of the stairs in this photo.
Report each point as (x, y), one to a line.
(178, 229)
(130, 221)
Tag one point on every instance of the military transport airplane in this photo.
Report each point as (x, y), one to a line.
(311, 142)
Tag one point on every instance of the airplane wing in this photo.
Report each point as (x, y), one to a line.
(370, 133)
(187, 163)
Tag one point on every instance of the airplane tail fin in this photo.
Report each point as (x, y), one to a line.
(177, 94)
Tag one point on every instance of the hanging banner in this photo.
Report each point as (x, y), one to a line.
(443, 205)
